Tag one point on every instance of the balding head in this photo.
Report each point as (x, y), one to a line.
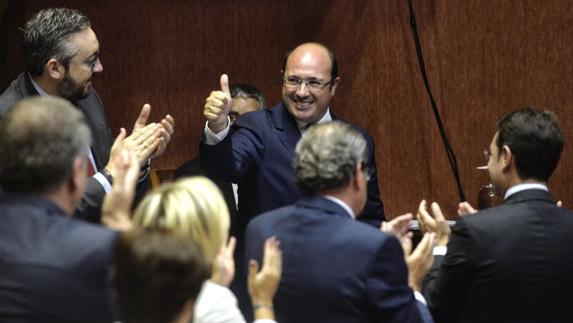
(316, 48)
(40, 138)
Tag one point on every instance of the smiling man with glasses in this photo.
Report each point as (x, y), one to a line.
(257, 151)
(61, 52)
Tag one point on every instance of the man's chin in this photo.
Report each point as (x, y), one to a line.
(301, 114)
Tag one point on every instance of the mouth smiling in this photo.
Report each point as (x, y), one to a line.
(302, 105)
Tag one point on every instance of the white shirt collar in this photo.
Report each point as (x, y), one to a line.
(342, 205)
(327, 117)
(522, 187)
(40, 91)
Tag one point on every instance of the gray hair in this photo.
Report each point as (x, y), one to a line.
(40, 138)
(327, 155)
(47, 36)
(247, 91)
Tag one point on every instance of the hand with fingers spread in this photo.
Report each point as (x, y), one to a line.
(399, 227)
(464, 208)
(264, 284)
(436, 224)
(224, 264)
(218, 106)
(420, 261)
(116, 209)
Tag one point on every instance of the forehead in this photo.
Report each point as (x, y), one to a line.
(309, 62)
(85, 42)
(244, 105)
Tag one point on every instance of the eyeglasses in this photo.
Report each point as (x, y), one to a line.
(91, 62)
(368, 171)
(295, 83)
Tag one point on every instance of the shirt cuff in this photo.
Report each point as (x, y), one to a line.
(420, 298)
(440, 250)
(212, 138)
(103, 181)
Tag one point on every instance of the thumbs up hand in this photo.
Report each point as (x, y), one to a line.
(218, 106)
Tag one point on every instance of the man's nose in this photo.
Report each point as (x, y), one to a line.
(302, 89)
(98, 67)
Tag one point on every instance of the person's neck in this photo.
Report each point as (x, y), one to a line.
(344, 195)
(516, 180)
(61, 198)
(47, 84)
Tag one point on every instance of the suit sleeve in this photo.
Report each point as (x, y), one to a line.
(373, 212)
(90, 205)
(447, 282)
(240, 152)
(387, 285)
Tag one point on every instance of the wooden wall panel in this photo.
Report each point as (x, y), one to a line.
(484, 58)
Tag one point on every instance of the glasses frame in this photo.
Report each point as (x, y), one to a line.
(367, 171)
(312, 84)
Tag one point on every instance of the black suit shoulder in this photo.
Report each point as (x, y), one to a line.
(18, 89)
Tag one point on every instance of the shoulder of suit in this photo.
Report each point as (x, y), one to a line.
(272, 216)
(13, 93)
(355, 126)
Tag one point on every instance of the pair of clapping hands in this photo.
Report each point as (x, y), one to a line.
(147, 141)
(436, 232)
(262, 285)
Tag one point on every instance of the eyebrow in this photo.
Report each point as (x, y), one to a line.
(94, 55)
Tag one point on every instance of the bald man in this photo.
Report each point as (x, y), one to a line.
(258, 150)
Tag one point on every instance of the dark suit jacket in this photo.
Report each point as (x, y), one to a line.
(53, 268)
(102, 140)
(510, 263)
(335, 269)
(193, 168)
(258, 155)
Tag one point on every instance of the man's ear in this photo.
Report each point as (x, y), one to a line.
(334, 84)
(507, 157)
(78, 175)
(54, 69)
(356, 178)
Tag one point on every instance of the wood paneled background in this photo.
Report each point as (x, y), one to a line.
(484, 58)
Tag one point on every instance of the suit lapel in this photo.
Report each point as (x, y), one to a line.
(29, 90)
(286, 127)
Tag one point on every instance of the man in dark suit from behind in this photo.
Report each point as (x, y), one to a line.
(62, 56)
(246, 98)
(336, 269)
(512, 262)
(53, 268)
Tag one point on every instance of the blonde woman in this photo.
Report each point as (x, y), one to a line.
(195, 206)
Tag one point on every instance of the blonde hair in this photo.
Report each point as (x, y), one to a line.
(193, 206)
